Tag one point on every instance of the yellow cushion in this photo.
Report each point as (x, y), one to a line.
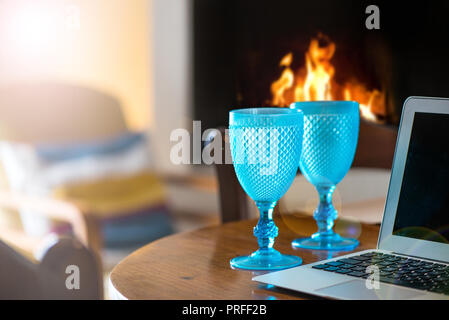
(115, 196)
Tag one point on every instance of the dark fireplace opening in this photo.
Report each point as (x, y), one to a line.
(238, 47)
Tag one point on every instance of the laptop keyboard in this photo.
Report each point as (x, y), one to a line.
(398, 270)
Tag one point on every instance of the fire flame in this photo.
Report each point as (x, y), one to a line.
(315, 82)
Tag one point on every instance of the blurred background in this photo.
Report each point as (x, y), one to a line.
(90, 91)
(81, 136)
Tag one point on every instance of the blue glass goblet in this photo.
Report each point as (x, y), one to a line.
(331, 130)
(266, 146)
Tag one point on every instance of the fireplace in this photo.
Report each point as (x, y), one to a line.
(318, 80)
(264, 53)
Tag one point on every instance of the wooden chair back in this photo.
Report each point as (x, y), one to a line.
(233, 200)
(376, 145)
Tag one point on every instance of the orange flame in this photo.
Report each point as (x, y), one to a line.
(284, 82)
(315, 82)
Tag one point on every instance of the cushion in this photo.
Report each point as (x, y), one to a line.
(112, 178)
(132, 210)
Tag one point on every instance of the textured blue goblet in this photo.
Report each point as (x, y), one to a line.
(331, 130)
(266, 146)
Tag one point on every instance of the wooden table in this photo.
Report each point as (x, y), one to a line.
(195, 265)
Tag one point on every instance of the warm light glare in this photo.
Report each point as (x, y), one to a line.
(32, 29)
(99, 44)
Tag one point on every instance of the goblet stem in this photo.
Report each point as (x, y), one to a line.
(325, 214)
(325, 238)
(266, 257)
(266, 230)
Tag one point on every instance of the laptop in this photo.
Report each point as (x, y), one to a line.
(412, 256)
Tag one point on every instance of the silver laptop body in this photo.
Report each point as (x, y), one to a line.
(401, 233)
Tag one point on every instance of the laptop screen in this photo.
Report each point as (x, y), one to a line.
(423, 207)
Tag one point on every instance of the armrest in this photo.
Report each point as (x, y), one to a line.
(85, 226)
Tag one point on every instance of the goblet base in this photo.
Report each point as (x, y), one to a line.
(266, 260)
(332, 243)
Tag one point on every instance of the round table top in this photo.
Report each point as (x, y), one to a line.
(195, 265)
